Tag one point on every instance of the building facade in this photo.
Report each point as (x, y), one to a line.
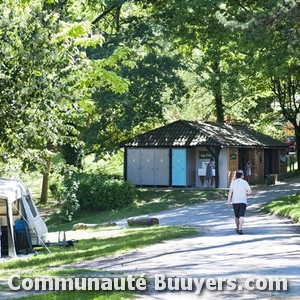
(177, 155)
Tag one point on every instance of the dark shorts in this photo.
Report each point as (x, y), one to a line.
(239, 209)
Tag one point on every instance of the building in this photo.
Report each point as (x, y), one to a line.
(177, 154)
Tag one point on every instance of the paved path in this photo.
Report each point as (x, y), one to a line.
(270, 247)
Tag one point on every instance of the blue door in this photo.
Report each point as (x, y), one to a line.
(179, 167)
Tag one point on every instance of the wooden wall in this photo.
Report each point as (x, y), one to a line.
(232, 154)
(257, 160)
(282, 164)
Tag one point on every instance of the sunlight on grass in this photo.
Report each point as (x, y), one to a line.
(288, 207)
(111, 164)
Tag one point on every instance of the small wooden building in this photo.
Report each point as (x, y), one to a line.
(177, 154)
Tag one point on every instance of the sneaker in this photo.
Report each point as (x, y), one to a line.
(240, 232)
(236, 230)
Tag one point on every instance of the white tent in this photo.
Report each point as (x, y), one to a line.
(21, 225)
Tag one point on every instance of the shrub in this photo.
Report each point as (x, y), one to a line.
(57, 190)
(101, 192)
(69, 203)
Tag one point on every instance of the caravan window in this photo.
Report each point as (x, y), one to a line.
(32, 207)
(3, 208)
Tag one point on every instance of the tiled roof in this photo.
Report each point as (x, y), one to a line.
(192, 133)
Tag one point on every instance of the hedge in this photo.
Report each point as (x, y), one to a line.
(99, 192)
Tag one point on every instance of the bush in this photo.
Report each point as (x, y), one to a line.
(70, 204)
(101, 192)
(57, 190)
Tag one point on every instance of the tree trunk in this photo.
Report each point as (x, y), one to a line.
(219, 107)
(45, 184)
(297, 137)
(217, 92)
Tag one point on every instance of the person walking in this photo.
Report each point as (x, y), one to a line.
(237, 197)
(248, 171)
(209, 172)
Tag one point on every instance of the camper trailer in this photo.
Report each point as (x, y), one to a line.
(21, 226)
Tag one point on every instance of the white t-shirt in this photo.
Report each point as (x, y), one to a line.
(239, 189)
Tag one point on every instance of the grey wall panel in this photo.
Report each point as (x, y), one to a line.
(162, 167)
(147, 166)
(190, 170)
(134, 165)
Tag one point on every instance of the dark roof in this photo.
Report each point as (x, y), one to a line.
(195, 133)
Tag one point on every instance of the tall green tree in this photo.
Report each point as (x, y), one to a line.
(269, 36)
(47, 79)
(152, 74)
(205, 45)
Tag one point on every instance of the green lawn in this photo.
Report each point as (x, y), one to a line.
(45, 264)
(288, 207)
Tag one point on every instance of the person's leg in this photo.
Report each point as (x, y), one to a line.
(209, 182)
(242, 211)
(236, 222)
(236, 215)
(248, 179)
(241, 223)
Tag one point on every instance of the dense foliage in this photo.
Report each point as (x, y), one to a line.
(100, 192)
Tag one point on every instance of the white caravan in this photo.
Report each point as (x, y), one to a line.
(21, 226)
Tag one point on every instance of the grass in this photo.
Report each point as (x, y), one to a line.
(288, 207)
(149, 201)
(112, 164)
(45, 264)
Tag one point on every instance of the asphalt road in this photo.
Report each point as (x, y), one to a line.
(270, 247)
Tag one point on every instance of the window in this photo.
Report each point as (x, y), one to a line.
(31, 206)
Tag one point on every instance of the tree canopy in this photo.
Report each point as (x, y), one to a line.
(47, 78)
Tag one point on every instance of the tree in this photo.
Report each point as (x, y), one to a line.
(270, 38)
(204, 43)
(47, 79)
(151, 71)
